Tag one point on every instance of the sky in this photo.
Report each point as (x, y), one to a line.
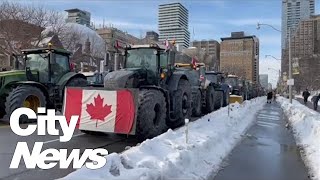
(207, 20)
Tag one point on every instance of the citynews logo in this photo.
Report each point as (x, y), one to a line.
(49, 158)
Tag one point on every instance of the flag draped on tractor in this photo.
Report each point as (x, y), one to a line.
(101, 110)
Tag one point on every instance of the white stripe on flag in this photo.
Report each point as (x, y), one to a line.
(108, 123)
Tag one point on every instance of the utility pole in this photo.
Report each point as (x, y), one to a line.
(290, 68)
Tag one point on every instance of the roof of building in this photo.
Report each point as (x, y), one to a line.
(243, 37)
(76, 10)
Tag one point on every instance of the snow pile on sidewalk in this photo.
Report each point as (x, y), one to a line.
(210, 140)
(306, 129)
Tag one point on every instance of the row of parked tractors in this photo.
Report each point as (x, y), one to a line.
(173, 91)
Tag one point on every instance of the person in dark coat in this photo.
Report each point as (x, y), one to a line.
(269, 96)
(305, 95)
(315, 100)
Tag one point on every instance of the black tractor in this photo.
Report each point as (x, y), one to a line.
(164, 94)
(38, 80)
(217, 80)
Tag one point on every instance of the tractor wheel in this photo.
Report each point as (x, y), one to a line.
(226, 98)
(25, 96)
(182, 107)
(219, 102)
(77, 82)
(152, 114)
(2, 107)
(197, 105)
(210, 99)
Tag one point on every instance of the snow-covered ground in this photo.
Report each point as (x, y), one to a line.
(306, 129)
(210, 140)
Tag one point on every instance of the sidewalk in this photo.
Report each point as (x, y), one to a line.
(309, 104)
(268, 152)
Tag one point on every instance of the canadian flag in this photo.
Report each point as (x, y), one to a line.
(100, 110)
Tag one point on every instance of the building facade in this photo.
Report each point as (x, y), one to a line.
(113, 36)
(264, 80)
(173, 23)
(78, 16)
(294, 11)
(239, 55)
(305, 51)
(212, 49)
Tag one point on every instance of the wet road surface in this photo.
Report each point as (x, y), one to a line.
(9, 140)
(267, 152)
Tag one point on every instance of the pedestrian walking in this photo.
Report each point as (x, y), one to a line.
(315, 100)
(269, 97)
(274, 95)
(305, 95)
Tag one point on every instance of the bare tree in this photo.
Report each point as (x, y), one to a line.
(22, 26)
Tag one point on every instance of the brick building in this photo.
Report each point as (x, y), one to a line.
(212, 49)
(239, 55)
(305, 49)
(113, 35)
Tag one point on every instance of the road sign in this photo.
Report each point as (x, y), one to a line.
(295, 66)
(290, 82)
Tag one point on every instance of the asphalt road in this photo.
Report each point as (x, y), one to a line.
(267, 152)
(9, 140)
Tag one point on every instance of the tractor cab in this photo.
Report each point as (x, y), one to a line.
(46, 65)
(149, 63)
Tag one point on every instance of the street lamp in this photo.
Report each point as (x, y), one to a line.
(273, 57)
(290, 63)
(259, 25)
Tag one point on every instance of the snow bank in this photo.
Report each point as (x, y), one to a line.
(210, 140)
(306, 129)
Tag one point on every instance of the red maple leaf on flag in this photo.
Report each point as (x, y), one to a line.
(98, 111)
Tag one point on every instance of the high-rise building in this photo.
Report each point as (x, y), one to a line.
(264, 80)
(239, 55)
(293, 11)
(305, 51)
(78, 16)
(173, 23)
(212, 49)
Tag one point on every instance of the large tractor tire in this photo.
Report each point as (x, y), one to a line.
(2, 108)
(152, 114)
(25, 96)
(219, 100)
(77, 82)
(210, 99)
(226, 98)
(197, 105)
(182, 107)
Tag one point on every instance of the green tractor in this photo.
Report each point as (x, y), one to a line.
(40, 82)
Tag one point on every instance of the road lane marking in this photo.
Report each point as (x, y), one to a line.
(54, 140)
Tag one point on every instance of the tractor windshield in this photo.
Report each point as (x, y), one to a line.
(232, 81)
(141, 58)
(37, 62)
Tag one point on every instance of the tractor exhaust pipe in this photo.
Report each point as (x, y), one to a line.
(116, 61)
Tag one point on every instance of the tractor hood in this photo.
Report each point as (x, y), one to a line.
(12, 73)
(129, 78)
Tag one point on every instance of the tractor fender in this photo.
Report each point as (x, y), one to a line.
(174, 81)
(42, 87)
(67, 77)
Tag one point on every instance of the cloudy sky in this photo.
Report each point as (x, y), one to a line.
(207, 20)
